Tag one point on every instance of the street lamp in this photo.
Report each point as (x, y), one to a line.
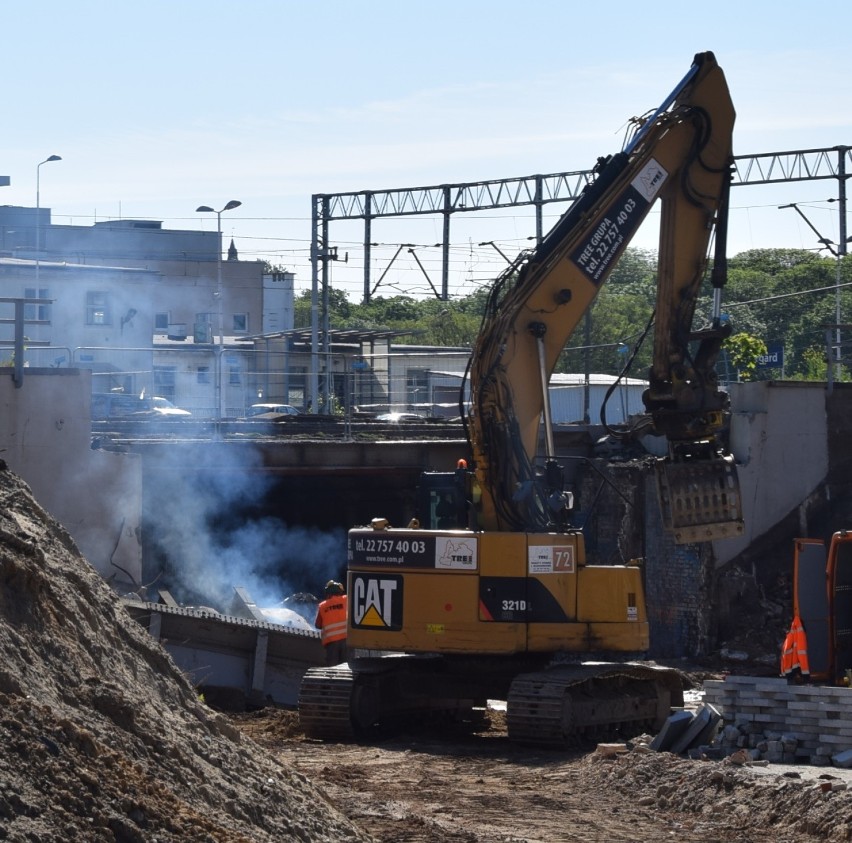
(38, 208)
(206, 209)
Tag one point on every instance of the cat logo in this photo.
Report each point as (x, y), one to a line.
(376, 602)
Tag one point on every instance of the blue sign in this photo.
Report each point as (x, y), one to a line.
(774, 357)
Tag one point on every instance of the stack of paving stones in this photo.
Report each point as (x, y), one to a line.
(772, 720)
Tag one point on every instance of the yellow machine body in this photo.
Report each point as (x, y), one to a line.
(461, 592)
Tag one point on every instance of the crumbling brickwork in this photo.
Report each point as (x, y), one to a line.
(621, 520)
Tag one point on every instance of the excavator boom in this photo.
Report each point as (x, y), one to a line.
(681, 157)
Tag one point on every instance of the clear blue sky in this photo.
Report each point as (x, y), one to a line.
(161, 106)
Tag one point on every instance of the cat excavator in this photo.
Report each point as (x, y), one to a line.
(487, 594)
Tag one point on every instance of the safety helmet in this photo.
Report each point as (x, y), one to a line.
(332, 587)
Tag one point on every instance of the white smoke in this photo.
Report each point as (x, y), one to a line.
(211, 540)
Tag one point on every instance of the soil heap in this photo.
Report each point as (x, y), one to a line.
(103, 738)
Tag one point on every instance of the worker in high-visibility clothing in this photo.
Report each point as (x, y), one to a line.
(331, 621)
(794, 654)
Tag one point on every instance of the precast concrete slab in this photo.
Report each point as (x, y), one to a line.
(257, 661)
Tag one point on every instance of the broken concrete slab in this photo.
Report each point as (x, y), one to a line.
(699, 731)
(672, 730)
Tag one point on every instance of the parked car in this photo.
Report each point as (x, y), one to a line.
(266, 409)
(399, 417)
(164, 407)
(112, 405)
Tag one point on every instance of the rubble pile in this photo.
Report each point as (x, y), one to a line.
(776, 747)
(749, 803)
(103, 738)
(703, 735)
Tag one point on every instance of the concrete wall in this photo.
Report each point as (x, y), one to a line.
(779, 438)
(45, 437)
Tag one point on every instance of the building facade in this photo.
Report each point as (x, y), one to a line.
(143, 307)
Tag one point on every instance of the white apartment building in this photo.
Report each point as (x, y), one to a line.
(143, 307)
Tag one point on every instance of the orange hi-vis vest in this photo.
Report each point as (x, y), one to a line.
(331, 618)
(795, 651)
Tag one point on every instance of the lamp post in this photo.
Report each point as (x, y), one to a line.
(206, 209)
(38, 209)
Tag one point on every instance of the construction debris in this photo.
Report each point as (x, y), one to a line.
(685, 731)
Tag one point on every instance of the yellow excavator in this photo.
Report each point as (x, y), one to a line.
(487, 594)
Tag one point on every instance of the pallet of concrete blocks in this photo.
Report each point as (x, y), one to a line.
(684, 730)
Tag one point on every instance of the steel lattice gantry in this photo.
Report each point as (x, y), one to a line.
(538, 191)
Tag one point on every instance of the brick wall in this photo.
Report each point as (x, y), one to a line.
(624, 523)
(678, 582)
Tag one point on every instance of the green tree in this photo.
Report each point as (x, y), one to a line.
(770, 294)
(814, 365)
(743, 350)
(339, 309)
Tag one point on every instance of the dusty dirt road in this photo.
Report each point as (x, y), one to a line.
(474, 786)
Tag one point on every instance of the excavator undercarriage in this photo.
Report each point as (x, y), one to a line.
(555, 707)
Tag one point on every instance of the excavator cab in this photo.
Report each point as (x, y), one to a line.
(442, 500)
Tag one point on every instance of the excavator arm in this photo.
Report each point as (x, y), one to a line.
(681, 156)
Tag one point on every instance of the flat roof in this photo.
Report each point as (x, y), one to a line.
(336, 336)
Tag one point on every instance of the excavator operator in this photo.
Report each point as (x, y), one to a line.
(331, 621)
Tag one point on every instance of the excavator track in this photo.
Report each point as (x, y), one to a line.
(325, 703)
(564, 705)
(555, 707)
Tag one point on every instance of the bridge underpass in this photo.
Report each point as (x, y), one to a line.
(197, 496)
(265, 520)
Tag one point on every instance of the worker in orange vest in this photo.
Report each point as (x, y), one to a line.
(331, 621)
(794, 654)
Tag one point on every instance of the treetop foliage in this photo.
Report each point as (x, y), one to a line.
(773, 296)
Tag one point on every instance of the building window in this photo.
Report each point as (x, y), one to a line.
(234, 375)
(164, 381)
(417, 386)
(36, 312)
(97, 309)
(161, 323)
(203, 374)
(240, 323)
(203, 327)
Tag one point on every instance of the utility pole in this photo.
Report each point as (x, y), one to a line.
(838, 254)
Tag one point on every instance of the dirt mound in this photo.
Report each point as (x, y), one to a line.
(706, 798)
(103, 738)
